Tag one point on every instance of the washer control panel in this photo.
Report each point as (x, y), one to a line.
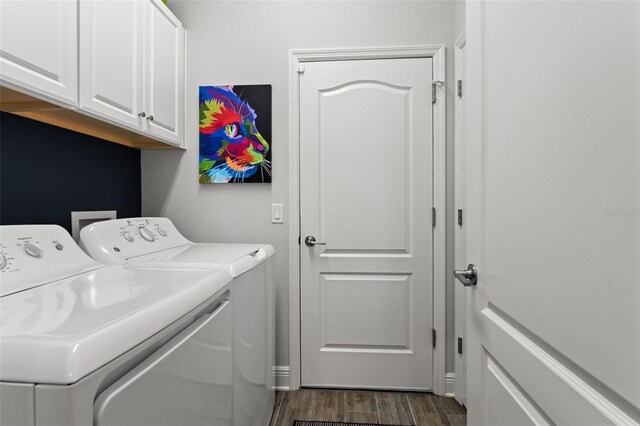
(28, 248)
(146, 229)
(115, 241)
(33, 254)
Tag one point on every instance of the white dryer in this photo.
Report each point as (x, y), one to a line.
(82, 343)
(151, 241)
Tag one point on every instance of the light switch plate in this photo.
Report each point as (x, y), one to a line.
(277, 213)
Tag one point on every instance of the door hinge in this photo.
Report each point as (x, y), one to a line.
(434, 87)
(433, 337)
(459, 217)
(459, 88)
(300, 69)
(433, 217)
(298, 239)
(459, 345)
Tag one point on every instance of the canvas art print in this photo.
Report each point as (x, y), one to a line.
(235, 134)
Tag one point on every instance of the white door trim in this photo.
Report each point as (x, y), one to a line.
(297, 58)
(460, 385)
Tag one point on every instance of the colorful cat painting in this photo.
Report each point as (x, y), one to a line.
(232, 149)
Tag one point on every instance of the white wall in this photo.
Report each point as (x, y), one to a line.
(459, 21)
(242, 42)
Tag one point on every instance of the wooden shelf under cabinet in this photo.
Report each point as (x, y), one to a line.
(17, 103)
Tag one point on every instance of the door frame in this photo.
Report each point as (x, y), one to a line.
(297, 59)
(460, 368)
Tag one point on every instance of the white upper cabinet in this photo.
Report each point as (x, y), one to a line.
(38, 48)
(164, 73)
(132, 66)
(111, 41)
(120, 62)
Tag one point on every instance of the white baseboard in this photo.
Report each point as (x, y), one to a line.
(450, 380)
(281, 374)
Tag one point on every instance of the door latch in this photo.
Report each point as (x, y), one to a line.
(310, 241)
(467, 277)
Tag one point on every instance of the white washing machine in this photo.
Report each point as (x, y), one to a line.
(154, 241)
(82, 343)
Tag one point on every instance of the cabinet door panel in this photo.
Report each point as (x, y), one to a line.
(38, 49)
(111, 60)
(165, 73)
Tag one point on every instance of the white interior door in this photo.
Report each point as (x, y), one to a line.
(366, 191)
(553, 195)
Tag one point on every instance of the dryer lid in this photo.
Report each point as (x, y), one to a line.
(236, 258)
(59, 332)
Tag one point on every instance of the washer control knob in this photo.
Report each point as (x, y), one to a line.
(146, 234)
(162, 232)
(3, 261)
(33, 250)
(127, 236)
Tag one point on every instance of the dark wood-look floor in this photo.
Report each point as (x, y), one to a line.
(397, 408)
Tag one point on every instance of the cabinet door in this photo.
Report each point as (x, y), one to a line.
(111, 35)
(38, 48)
(165, 73)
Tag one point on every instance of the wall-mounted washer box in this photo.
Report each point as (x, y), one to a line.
(81, 219)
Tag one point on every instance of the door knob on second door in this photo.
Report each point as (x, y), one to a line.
(467, 277)
(310, 240)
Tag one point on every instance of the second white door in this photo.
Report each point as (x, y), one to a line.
(366, 191)
(553, 224)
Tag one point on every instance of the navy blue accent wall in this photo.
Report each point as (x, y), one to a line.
(47, 172)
